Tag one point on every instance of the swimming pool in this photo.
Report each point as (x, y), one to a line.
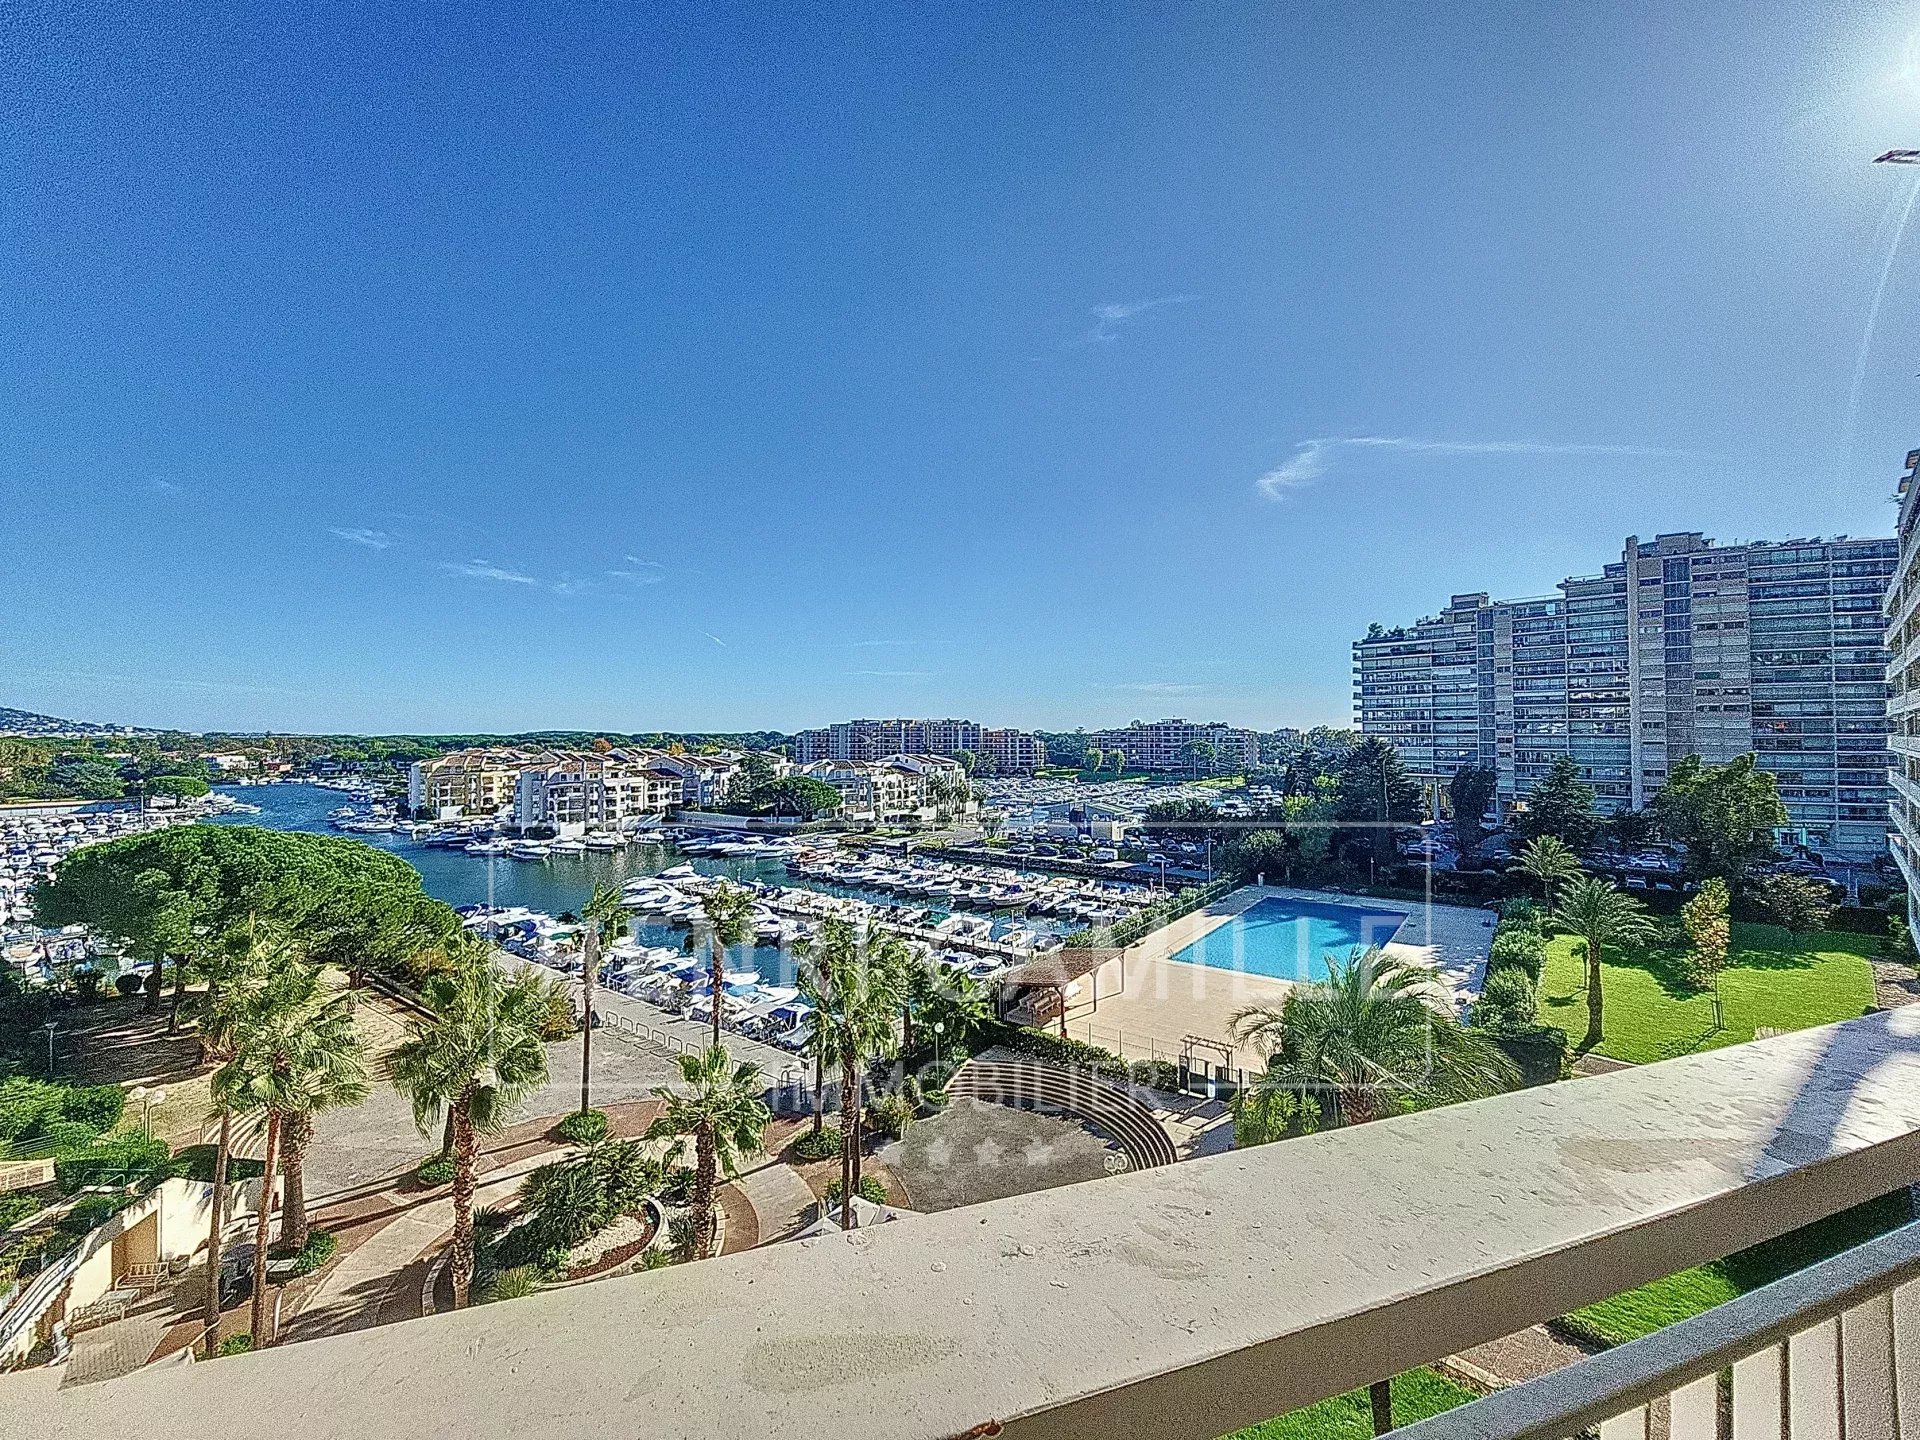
(1290, 939)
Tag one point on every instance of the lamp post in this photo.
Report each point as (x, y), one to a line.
(50, 1029)
(939, 1029)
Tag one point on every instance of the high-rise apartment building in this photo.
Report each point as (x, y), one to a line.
(1681, 647)
(1902, 609)
(1008, 750)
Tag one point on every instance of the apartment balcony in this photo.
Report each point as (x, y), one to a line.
(1182, 1302)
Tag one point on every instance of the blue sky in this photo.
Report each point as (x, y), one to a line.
(602, 366)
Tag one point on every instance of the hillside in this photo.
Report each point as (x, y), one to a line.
(27, 722)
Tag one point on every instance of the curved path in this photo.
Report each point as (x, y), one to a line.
(1007, 1079)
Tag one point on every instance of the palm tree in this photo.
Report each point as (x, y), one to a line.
(718, 1104)
(603, 917)
(857, 989)
(294, 1050)
(1369, 1041)
(475, 1059)
(332, 1074)
(728, 909)
(1548, 859)
(1600, 915)
(243, 963)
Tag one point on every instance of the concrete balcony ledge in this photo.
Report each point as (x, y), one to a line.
(1178, 1302)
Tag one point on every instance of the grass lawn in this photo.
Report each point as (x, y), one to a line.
(1641, 1312)
(1416, 1395)
(1770, 980)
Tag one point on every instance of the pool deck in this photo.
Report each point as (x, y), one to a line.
(1163, 1000)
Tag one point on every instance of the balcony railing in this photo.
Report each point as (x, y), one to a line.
(1182, 1302)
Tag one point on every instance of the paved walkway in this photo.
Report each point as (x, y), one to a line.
(781, 1201)
(354, 1293)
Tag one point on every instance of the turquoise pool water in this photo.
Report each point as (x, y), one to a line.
(1291, 939)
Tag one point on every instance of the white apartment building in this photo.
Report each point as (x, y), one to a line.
(582, 792)
(1169, 744)
(705, 780)
(474, 784)
(1681, 647)
(1012, 751)
(898, 786)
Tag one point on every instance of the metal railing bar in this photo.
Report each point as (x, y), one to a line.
(1582, 1395)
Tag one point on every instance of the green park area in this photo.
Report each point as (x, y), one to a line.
(1416, 1395)
(1772, 980)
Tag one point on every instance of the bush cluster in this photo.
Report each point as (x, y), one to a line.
(583, 1127)
(134, 1158)
(42, 1115)
(869, 1188)
(315, 1253)
(15, 1206)
(821, 1146)
(436, 1169)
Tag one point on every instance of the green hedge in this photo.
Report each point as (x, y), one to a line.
(127, 1159)
(1145, 922)
(821, 1146)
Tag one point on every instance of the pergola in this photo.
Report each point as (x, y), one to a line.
(1057, 969)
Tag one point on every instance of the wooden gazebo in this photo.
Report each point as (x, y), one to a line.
(1057, 969)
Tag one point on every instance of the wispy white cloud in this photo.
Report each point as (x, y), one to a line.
(354, 535)
(487, 570)
(637, 571)
(715, 639)
(160, 486)
(1111, 318)
(1311, 459)
(1159, 687)
(897, 674)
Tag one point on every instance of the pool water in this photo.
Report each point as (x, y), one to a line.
(1291, 939)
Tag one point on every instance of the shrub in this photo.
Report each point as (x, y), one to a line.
(1538, 1051)
(556, 1021)
(655, 1258)
(869, 1188)
(235, 1345)
(583, 1127)
(434, 1170)
(15, 1206)
(1507, 1000)
(1521, 912)
(86, 985)
(97, 1106)
(1263, 1116)
(677, 1188)
(315, 1253)
(511, 1284)
(91, 1211)
(128, 985)
(128, 1159)
(822, 1146)
(935, 1074)
(893, 1113)
(1519, 949)
(1156, 1074)
(571, 1200)
(1899, 941)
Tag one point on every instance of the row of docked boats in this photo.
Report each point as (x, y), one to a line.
(980, 887)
